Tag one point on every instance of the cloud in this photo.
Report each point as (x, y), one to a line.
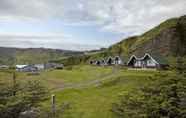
(128, 17)
(133, 16)
(44, 41)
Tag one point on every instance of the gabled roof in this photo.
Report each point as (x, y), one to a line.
(156, 58)
(133, 56)
(109, 58)
(148, 55)
(123, 58)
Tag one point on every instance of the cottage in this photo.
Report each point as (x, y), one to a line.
(147, 61)
(117, 61)
(98, 63)
(59, 66)
(109, 61)
(19, 67)
(53, 66)
(91, 62)
(103, 62)
(39, 66)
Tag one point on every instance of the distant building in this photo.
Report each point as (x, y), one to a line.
(103, 63)
(53, 66)
(147, 61)
(109, 61)
(26, 68)
(91, 62)
(59, 66)
(40, 66)
(117, 60)
(98, 63)
(20, 67)
(4, 66)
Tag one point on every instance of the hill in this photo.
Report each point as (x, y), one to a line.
(32, 55)
(167, 39)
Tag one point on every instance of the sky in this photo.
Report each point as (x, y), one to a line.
(80, 24)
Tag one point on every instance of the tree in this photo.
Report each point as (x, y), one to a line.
(20, 98)
(163, 97)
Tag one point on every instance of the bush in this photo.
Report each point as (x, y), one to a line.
(164, 97)
(20, 98)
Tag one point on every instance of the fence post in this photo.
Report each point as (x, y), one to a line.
(14, 83)
(53, 105)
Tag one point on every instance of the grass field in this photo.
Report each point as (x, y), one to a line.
(89, 90)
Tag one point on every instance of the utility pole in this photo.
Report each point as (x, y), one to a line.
(14, 84)
(53, 105)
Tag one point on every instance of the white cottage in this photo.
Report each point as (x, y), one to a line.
(147, 61)
(40, 66)
(117, 61)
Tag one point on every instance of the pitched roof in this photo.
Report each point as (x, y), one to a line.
(157, 58)
(160, 59)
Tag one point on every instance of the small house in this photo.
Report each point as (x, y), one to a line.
(109, 61)
(91, 62)
(39, 66)
(117, 61)
(59, 66)
(103, 63)
(98, 63)
(53, 66)
(147, 61)
(20, 67)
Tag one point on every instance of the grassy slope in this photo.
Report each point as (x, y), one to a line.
(73, 75)
(128, 45)
(11, 56)
(36, 56)
(93, 101)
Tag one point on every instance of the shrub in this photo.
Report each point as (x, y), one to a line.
(20, 98)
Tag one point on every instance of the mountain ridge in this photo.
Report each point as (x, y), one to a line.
(11, 56)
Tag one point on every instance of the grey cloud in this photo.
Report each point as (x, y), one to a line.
(55, 42)
(121, 16)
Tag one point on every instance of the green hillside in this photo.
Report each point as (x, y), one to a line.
(90, 91)
(128, 46)
(11, 56)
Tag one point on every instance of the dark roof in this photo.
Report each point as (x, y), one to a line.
(158, 58)
(123, 58)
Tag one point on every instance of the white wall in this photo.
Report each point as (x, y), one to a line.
(137, 64)
(151, 63)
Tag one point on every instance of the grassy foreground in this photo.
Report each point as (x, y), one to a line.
(104, 85)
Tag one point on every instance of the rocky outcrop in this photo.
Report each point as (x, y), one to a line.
(170, 42)
(164, 44)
